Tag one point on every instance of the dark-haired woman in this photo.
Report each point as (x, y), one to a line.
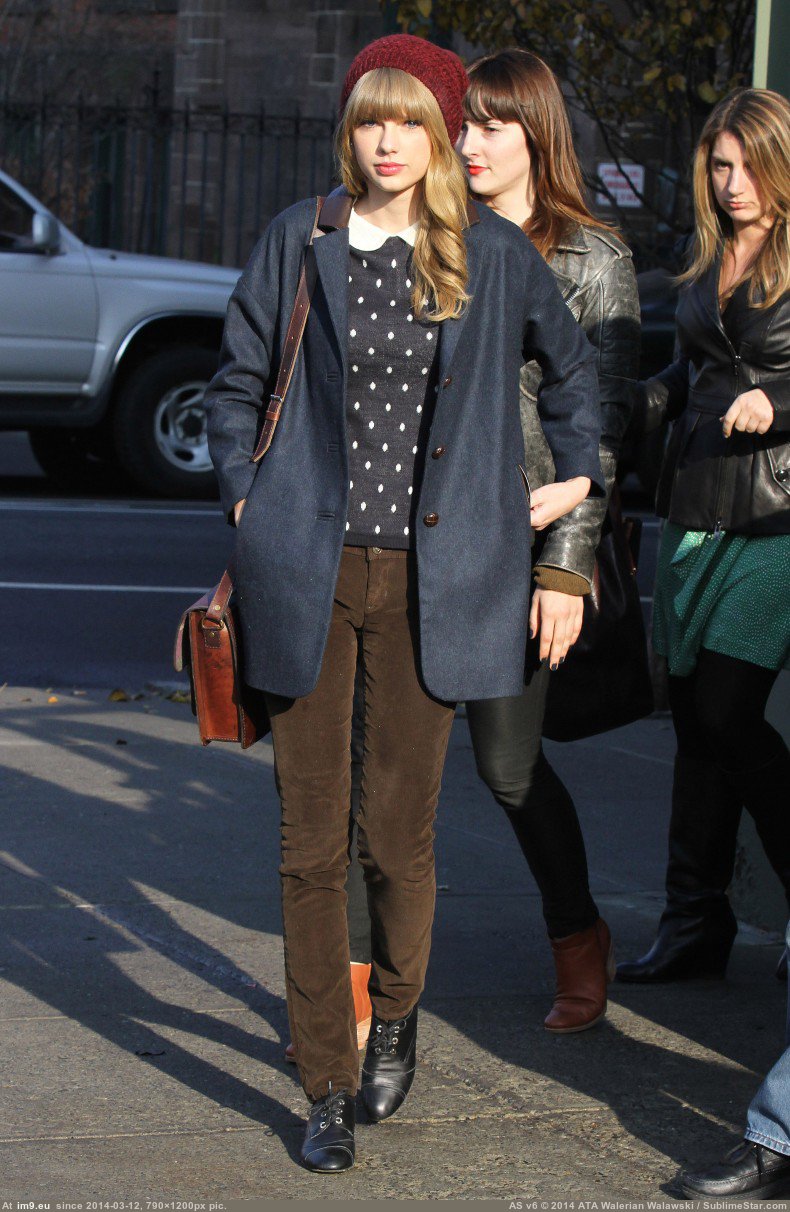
(722, 603)
(517, 149)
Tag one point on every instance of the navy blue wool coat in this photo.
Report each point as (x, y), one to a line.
(474, 564)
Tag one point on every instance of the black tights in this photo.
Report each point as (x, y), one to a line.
(506, 737)
(719, 713)
(719, 717)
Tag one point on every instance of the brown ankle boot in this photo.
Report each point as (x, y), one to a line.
(360, 975)
(584, 963)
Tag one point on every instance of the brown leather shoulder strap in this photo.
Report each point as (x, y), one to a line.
(293, 339)
(215, 611)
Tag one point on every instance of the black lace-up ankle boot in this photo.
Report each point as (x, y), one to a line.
(329, 1138)
(388, 1068)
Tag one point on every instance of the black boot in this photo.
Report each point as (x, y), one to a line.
(329, 1138)
(388, 1068)
(697, 927)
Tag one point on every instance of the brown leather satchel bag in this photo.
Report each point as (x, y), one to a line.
(208, 644)
(209, 638)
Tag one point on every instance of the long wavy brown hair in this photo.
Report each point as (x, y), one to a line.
(517, 86)
(760, 120)
(439, 260)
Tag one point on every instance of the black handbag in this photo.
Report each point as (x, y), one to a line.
(605, 680)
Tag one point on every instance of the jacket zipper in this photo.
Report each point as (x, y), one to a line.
(718, 532)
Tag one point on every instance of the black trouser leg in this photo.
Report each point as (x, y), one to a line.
(506, 737)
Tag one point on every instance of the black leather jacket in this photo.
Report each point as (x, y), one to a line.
(595, 274)
(709, 482)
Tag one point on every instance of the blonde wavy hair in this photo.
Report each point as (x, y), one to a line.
(439, 259)
(760, 120)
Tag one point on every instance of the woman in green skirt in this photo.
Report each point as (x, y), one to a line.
(722, 604)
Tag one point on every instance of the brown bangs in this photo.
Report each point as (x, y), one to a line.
(492, 95)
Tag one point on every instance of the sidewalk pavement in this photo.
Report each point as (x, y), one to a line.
(142, 998)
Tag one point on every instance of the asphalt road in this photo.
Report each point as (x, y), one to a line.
(94, 588)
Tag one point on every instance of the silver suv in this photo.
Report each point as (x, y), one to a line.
(105, 356)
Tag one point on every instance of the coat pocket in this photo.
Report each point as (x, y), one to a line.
(779, 463)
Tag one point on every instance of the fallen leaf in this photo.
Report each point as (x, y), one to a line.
(180, 696)
(79, 693)
(119, 696)
(121, 741)
(53, 698)
(162, 1053)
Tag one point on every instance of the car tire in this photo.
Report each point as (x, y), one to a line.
(160, 423)
(81, 460)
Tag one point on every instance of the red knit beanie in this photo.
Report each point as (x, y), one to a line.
(441, 71)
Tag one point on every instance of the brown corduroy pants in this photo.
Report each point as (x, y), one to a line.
(406, 735)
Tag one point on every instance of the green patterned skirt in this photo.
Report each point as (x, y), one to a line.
(730, 594)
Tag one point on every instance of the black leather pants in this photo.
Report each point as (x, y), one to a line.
(506, 737)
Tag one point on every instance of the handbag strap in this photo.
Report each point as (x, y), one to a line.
(220, 599)
(293, 339)
(217, 607)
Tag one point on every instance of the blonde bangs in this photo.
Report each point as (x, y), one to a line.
(388, 94)
(439, 259)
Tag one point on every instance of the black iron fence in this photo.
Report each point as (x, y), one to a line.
(173, 182)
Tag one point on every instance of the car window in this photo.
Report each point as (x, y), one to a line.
(16, 221)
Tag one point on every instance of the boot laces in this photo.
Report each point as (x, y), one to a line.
(331, 1107)
(387, 1035)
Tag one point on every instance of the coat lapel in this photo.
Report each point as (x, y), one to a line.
(452, 329)
(331, 261)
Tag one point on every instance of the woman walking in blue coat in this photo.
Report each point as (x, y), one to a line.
(389, 514)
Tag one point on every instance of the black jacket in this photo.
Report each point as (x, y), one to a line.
(709, 482)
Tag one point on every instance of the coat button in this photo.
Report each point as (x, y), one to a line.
(447, 381)
(437, 454)
(431, 519)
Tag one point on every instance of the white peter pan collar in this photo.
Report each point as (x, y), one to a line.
(366, 237)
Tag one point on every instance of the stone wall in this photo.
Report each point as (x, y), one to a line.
(277, 53)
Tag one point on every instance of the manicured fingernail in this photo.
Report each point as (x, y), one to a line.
(562, 660)
(554, 667)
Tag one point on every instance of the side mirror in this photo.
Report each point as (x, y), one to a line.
(46, 233)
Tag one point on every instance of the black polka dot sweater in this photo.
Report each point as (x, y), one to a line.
(391, 395)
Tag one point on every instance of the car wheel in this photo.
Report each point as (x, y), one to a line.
(161, 423)
(81, 459)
